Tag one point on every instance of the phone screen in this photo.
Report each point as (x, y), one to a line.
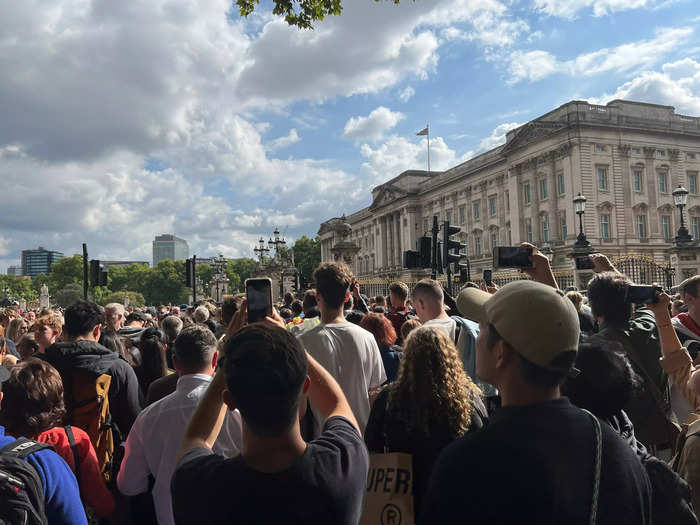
(512, 257)
(487, 277)
(259, 297)
(642, 294)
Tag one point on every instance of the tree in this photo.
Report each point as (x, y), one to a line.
(243, 268)
(132, 277)
(165, 283)
(68, 270)
(307, 256)
(18, 287)
(68, 295)
(299, 13)
(135, 298)
(205, 273)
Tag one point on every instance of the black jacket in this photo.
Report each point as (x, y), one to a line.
(93, 357)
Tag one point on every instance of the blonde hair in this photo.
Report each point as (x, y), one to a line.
(432, 390)
(576, 298)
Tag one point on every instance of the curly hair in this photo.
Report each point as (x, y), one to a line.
(432, 390)
(32, 398)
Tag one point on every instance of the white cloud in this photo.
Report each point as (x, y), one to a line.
(407, 94)
(571, 8)
(283, 142)
(678, 85)
(373, 126)
(538, 64)
(92, 90)
(398, 154)
(497, 137)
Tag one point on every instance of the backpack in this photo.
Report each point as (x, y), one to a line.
(21, 492)
(87, 401)
(671, 497)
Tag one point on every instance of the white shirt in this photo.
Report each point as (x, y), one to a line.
(446, 324)
(156, 437)
(351, 355)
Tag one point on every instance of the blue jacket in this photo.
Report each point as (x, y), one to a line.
(61, 493)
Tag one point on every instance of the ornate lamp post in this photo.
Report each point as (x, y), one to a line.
(580, 209)
(277, 243)
(261, 250)
(680, 199)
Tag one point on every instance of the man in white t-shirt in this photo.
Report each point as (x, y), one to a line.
(349, 353)
(430, 307)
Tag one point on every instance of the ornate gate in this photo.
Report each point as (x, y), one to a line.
(645, 270)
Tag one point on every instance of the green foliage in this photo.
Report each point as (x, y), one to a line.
(205, 274)
(299, 13)
(18, 287)
(135, 298)
(68, 270)
(165, 283)
(68, 295)
(132, 277)
(307, 255)
(238, 270)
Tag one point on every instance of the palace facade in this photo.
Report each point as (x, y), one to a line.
(625, 157)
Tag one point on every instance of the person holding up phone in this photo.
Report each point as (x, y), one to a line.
(278, 478)
(633, 325)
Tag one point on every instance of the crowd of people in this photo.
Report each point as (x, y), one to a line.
(520, 404)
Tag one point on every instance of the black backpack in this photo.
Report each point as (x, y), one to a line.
(671, 496)
(21, 493)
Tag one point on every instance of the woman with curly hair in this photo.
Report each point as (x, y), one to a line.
(431, 404)
(33, 407)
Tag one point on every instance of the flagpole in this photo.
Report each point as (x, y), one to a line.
(428, 126)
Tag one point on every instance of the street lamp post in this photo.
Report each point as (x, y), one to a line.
(580, 209)
(680, 199)
(261, 250)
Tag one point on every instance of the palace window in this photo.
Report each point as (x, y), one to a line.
(528, 230)
(695, 227)
(637, 180)
(603, 178)
(494, 239)
(543, 189)
(600, 148)
(666, 226)
(526, 193)
(642, 226)
(561, 183)
(492, 206)
(462, 214)
(477, 210)
(562, 227)
(477, 244)
(661, 177)
(693, 183)
(545, 228)
(605, 226)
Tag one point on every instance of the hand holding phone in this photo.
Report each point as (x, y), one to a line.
(487, 277)
(512, 257)
(643, 294)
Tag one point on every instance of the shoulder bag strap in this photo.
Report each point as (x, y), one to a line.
(74, 449)
(22, 447)
(598, 461)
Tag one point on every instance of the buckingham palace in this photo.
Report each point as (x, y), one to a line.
(625, 158)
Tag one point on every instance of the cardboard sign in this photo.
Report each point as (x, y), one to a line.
(389, 498)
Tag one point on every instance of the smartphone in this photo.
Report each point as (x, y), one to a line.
(584, 263)
(512, 257)
(643, 294)
(487, 277)
(259, 296)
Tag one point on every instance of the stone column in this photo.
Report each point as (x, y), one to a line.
(399, 236)
(385, 251)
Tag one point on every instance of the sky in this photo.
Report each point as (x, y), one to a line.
(120, 121)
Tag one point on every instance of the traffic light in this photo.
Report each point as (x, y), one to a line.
(98, 275)
(424, 245)
(449, 245)
(189, 273)
(411, 259)
(461, 272)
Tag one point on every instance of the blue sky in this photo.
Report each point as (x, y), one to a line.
(120, 122)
